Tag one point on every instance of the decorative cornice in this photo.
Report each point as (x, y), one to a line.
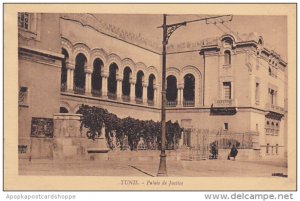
(40, 56)
(42, 52)
(240, 40)
(101, 26)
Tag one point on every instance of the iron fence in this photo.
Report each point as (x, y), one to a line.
(96, 93)
(188, 103)
(79, 90)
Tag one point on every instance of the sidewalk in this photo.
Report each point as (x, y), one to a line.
(148, 168)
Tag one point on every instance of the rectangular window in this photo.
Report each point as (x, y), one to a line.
(23, 96)
(267, 148)
(22, 149)
(23, 20)
(225, 126)
(272, 96)
(227, 90)
(257, 92)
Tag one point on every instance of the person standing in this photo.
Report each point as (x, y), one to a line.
(233, 153)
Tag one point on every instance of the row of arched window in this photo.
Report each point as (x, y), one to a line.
(188, 90)
(79, 82)
(79, 78)
(272, 127)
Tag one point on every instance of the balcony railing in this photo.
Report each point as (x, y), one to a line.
(96, 93)
(172, 103)
(275, 108)
(125, 98)
(79, 90)
(272, 131)
(150, 102)
(138, 100)
(188, 103)
(63, 87)
(225, 103)
(112, 96)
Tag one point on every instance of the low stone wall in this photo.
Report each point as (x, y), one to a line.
(243, 154)
(68, 143)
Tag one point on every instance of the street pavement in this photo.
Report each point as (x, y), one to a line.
(148, 168)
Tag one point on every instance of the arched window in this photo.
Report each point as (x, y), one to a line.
(64, 70)
(171, 91)
(189, 90)
(227, 57)
(139, 86)
(150, 95)
(112, 81)
(79, 74)
(126, 84)
(63, 110)
(96, 78)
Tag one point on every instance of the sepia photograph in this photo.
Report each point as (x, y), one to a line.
(143, 96)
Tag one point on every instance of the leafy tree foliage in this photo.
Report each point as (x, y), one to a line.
(95, 119)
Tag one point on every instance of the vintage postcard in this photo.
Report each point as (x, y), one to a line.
(149, 97)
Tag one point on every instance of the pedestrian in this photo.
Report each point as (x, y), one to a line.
(233, 153)
(214, 151)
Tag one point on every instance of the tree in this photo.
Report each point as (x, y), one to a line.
(94, 118)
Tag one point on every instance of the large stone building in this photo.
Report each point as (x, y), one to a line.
(229, 84)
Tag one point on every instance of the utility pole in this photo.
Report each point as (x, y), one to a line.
(167, 32)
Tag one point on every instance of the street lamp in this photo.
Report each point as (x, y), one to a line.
(167, 32)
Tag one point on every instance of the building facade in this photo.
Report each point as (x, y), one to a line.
(229, 84)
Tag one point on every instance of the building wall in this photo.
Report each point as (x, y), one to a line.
(39, 71)
(181, 64)
(121, 109)
(76, 33)
(202, 118)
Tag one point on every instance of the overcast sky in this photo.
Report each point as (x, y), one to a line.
(272, 28)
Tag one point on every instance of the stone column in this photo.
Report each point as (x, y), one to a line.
(145, 93)
(70, 76)
(132, 91)
(88, 81)
(180, 95)
(119, 88)
(69, 79)
(104, 83)
(72, 79)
